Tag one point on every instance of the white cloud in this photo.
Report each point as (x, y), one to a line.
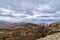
(58, 12)
(38, 11)
(10, 19)
(26, 5)
(46, 18)
(43, 7)
(19, 16)
(5, 10)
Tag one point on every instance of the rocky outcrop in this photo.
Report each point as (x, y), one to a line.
(54, 27)
(55, 36)
(53, 32)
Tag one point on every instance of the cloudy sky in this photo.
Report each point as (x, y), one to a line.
(34, 11)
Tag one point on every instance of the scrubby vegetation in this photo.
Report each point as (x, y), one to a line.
(28, 31)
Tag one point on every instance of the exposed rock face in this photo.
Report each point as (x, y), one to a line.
(54, 27)
(55, 36)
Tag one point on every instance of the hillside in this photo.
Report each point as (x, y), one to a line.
(54, 33)
(28, 31)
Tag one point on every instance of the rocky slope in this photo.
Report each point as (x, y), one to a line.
(23, 32)
(29, 31)
(55, 36)
(54, 32)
